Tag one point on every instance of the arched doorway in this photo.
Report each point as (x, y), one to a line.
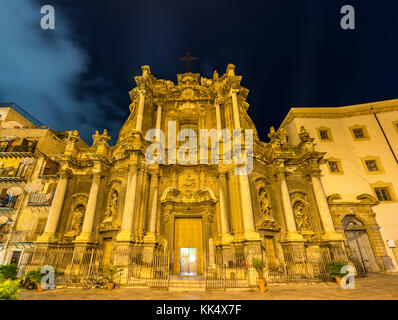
(359, 243)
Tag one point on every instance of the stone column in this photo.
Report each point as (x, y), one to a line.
(226, 236)
(159, 117)
(244, 186)
(218, 116)
(150, 236)
(129, 206)
(55, 210)
(85, 235)
(291, 229)
(140, 113)
(323, 208)
(247, 209)
(235, 108)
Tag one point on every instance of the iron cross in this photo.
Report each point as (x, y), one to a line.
(187, 59)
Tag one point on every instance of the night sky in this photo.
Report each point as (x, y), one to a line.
(290, 54)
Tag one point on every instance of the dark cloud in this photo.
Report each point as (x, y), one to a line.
(44, 71)
(290, 53)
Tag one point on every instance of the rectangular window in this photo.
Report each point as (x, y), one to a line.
(4, 146)
(41, 224)
(324, 134)
(358, 133)
(193, 135)
(383, 194)
(333, 166)
(371, 165)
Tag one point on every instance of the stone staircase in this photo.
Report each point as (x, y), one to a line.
(187, 283)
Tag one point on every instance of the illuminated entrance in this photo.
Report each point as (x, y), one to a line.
(188, 246)
(188, 261)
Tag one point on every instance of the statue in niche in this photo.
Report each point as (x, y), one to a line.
(265, 204)
(77, 218)
(267, 221)
(302, 221)
(112, 206)
(110, 213)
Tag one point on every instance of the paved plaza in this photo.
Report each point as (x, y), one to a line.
(373, 287)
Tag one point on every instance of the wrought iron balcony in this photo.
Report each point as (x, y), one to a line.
(40, 199)
(7, 202)
(16, 150)
(10, 174)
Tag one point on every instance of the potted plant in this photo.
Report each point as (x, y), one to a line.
(259, 265)
(110, 273)
(334, 269)
(36, 276)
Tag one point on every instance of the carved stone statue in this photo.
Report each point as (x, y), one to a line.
(77, 218)
(101, 138)
(302, 221)
(265, 204)
(267, 221)
(112, 206)
(277, 138)
(109, 221)
(303, 134)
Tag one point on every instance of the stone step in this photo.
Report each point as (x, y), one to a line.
(187, 285)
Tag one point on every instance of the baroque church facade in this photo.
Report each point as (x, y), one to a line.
(198, 215)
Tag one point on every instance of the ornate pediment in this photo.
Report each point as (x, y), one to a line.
(268, 223)
(196, 196)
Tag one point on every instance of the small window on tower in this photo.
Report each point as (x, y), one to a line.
(40, 226)
(371, 165)
(358, 133)
(333, 166)
(324, 134)
(383, 194)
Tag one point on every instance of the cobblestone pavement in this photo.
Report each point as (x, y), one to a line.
(373, 287)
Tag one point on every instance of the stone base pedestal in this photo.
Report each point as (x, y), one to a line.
(227, 239)
(124, 236)
(46, 238)
(147, 253)
(252, 249)
(293, 252)
(122, 254)
(292, 237)
(150, 238)
(337, 250)
(84, 237)
(251, 236)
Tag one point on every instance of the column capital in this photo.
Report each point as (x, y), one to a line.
(233, 91)
(65, 173)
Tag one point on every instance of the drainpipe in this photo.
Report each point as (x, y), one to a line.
(385, 136)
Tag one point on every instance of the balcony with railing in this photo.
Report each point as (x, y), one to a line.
(18, 149)
(7, 202)
(49, 169)
(40, 199)
(12, 174)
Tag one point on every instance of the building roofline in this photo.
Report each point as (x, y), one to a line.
(340, 112)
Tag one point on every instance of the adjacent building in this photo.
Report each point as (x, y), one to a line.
(359, 169)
